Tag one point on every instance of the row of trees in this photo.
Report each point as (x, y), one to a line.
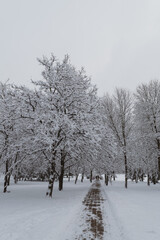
(134, 120)
(63, 127)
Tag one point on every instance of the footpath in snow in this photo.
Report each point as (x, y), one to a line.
(92, 226)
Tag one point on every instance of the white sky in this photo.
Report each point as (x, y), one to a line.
(117, 41)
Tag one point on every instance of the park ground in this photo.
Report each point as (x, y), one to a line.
(82, 211)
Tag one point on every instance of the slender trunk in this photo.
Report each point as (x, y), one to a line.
(50, 186)
(69, 178)
(51, 180)
(158, 168)
(82, 177)
(142, 177)
(136, 177)
(62, 171)
(148, 180)
(158, 144)
(126, 169)
(61, 181)
(154, 179)
(114, 176)
(61, 177)
(106, 179)
(91, 176)
(125, 154)
(15, 178)
(15, 170)
(76, 178)
(6, 178)
(69, 175)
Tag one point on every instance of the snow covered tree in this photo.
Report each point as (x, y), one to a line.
(118, 112)
(8, 131)
(67, 103)
(147, 111)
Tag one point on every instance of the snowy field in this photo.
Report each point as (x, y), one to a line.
(135, 211)
(26, 213)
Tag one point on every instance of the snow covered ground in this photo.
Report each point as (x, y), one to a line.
(26, 213)
(134, 213)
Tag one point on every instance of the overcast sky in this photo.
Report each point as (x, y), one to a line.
(116, 41)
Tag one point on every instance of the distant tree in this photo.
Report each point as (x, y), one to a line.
(147, 110)
(8, 131)
(118, 112)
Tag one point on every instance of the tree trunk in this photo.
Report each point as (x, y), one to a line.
(61, 178)
(126, 170)
(158, 143)
(148, 180)
(61, 181)
(62, 171)
(82, 177)
(69, 178)
(50, 186)
(51, 180)
(136, 177)
(114, 176)
(142, 177)
(76, 178)
(106, 179)
(154, 179)
(15, 179)
(15, 169)
(91, 176)
(69, 175)
(6, 178)
(159, 168)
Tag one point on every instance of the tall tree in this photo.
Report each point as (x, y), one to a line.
(147, 110)
(118, 112)
(67, 103)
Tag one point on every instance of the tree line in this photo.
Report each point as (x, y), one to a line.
(61, 127)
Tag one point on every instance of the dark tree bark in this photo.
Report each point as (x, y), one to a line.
(126, 170)
(61, 177)
(148, 180)
(158, 143)
(63, 155)
(50, 186)
(76, 178)
(51, 180)
(69, 175)
(15, 179)
(91, 176)
(114, 177)
(15, 169)
(82, 177)
(106, 179)
(6, 178)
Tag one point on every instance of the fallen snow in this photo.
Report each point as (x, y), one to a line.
(133, 212)
(128, 214)
(26, 213)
